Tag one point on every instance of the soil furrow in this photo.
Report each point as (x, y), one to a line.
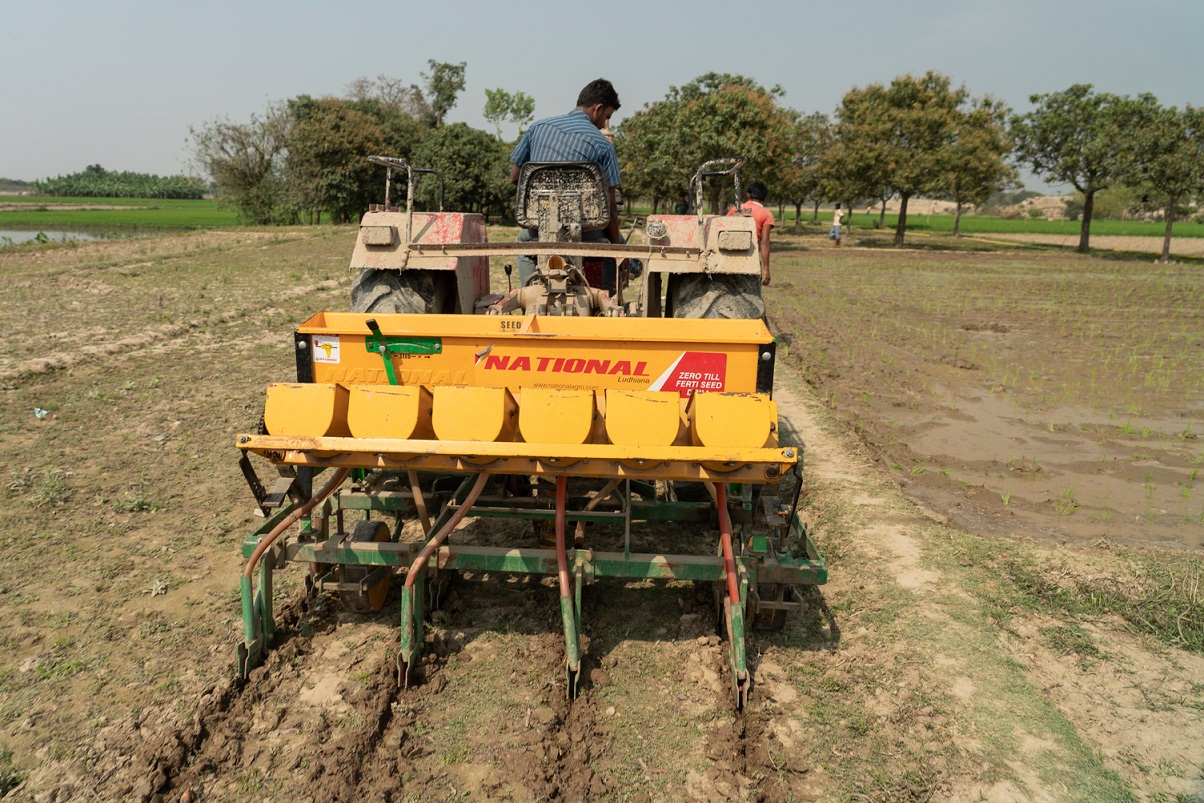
(135, 344)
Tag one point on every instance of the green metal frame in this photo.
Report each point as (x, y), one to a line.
(315, 544)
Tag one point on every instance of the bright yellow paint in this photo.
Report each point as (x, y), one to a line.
(474, 414)
(732, 419)
(388, 411)
(642, 418)
(537, 351)
(313, 410)
(687, 463)
(556, 415)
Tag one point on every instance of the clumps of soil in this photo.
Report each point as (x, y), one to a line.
(997, 328)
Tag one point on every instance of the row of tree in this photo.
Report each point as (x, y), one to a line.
(305, 157)
(96, 182)
(919, 136)
(916, 136)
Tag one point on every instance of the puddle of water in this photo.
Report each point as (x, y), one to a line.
(1103, 476)
(18, 237)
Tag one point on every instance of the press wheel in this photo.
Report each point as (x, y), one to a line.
(373, 598)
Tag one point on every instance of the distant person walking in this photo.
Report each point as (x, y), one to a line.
(834, 232)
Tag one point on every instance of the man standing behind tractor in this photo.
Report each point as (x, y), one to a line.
(575, 137)
(763, 218)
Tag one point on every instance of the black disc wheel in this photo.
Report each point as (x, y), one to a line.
(372, 598)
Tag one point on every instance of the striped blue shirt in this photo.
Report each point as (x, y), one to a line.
(568, 138)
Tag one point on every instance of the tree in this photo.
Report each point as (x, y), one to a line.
(328, 141)
(650, 165)
(896, 139)
(392, 92)
(444, 82)
(1081, 138)
(1169, 160)
(713, 116)
(474, 165)
(803, 178)
(500, 105)
(977, 165)
(245, 162)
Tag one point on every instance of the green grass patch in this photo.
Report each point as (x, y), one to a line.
(47, 213)
(1158, 594)
(10, 776)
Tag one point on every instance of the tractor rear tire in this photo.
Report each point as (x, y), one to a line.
(700, 295)
(413, 292)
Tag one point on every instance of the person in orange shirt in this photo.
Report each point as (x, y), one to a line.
(763, 218)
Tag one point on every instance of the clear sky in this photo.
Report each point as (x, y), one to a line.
(119, 83)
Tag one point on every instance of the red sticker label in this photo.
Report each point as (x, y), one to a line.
(696, 371)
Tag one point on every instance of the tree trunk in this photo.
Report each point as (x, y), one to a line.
(798, 217)
(957, 220)
(848, 213)
(1170, 222)
(902, 227)
(1085, 230)
(882, 214)
(815, 213)
(714, 193)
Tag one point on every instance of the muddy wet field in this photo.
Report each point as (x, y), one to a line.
(1000, 457)
(1056, 397)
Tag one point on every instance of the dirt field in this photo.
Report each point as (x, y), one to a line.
(964, 649)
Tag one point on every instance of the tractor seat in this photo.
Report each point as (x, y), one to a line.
(579, 187)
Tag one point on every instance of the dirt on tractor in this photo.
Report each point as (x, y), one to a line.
(984, 634)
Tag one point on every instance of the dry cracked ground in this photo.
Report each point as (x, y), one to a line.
(984, 635)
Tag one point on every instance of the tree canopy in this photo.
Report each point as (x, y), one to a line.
(96, 182)
(897, 138)
(1082, 138)
(474, 166)
(976, 166)
(246, 163)
(1170, 145)
(500, 106)
(803, 177)
(715, 115)
(444, 83)
(327, 143)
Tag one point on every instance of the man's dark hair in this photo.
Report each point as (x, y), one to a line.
(758, 191)
(599, 91)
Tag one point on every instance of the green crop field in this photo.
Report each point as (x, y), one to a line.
(46, 213)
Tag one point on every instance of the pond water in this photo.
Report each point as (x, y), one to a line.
(14, 237)
(18, 237)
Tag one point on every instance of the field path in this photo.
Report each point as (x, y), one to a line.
(1180, 246)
